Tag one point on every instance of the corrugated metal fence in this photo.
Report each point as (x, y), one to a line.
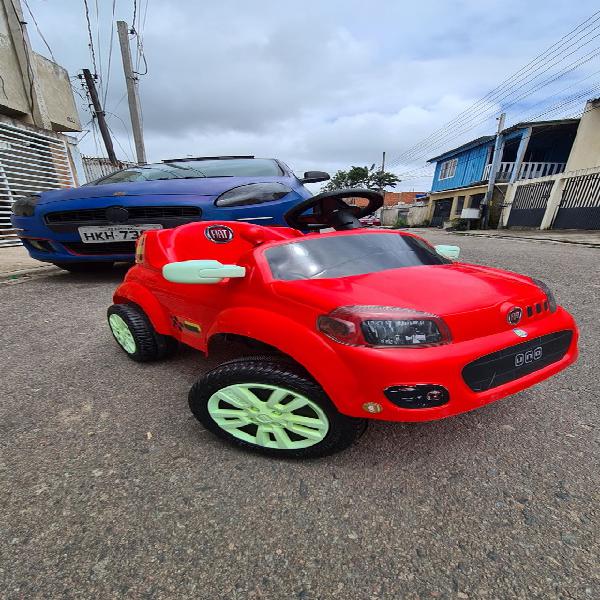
(29, 162)
(94, 167)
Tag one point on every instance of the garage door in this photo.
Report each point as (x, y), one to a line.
(580, 204)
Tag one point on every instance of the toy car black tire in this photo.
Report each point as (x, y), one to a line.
(85, 267)
(143, 344)
(272, 371)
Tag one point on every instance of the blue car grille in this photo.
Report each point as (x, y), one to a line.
(87, 215)
(100, 249)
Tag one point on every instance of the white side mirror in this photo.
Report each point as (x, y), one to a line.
(452, 252)
(200, 271)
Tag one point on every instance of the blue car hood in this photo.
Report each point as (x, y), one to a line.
(211, 186)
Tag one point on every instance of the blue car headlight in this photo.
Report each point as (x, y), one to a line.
(253, 193)
(24, 206)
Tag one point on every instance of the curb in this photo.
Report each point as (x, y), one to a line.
(530, 239)
(29, 271)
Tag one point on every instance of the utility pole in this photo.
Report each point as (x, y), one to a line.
(383, 163)
(132, 92)
(91, 85)
(493, 169)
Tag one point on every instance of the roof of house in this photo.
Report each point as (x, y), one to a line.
(472, 144)
(488, 138)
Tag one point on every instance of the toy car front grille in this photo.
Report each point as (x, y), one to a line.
(100, 249)
(135, 212)
(506, 365)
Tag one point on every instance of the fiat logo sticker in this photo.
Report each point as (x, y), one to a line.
(514, 315)
(219, 234)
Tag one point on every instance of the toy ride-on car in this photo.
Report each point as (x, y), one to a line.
(358, 324)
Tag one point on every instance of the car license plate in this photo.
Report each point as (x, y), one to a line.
(103, 234)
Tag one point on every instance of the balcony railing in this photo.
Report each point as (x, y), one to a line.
(527, 170)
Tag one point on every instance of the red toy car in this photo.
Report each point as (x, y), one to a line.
(358, 324)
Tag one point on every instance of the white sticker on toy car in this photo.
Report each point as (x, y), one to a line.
(102, 234)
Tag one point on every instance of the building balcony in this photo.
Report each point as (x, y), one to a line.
(527, 170)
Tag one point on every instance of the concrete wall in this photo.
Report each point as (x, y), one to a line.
(585, 153)
(49, 102)
(13, 99)
(58, 95)
(417, 215)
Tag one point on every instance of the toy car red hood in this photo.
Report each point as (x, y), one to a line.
(451, 291)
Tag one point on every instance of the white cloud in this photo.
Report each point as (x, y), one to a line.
(318, 84)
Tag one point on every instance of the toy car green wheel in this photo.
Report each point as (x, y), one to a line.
(135, 334)
(272, 407)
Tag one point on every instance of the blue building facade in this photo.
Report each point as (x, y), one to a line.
(462, 166)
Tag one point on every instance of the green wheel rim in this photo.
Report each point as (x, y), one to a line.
(268, 416)
(122, 334)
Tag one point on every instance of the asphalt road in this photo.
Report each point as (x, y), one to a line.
(110, 489)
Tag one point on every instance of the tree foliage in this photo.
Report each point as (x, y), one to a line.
(363, 177)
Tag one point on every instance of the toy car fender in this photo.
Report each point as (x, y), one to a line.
(309, 349)
(131, 291)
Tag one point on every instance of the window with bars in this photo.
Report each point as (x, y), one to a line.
(448, 168)
(30, 162)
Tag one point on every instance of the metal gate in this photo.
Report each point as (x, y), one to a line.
(529, 204)
(580, 203)
(29, 162)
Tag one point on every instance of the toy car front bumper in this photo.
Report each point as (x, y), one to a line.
(444, 366)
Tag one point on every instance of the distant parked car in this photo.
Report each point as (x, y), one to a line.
(97, 224)
(371, 220)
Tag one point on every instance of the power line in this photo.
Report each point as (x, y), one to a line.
(110, 49)
(39, 30)
(534, 134)
(91, 42)
(441, 139)
(515, 78)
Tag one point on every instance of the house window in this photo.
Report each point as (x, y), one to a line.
(448, 168)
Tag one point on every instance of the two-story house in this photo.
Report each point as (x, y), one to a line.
(528, 151)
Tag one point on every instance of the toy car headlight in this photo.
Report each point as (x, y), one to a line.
(253, 193)
(384, 327)
(549, 295)
(24, 206)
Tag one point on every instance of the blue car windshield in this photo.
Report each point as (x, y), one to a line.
(346, 255)
(193, 169)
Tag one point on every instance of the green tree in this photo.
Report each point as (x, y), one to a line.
(364, 177)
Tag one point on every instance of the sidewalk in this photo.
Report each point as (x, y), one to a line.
(15, 261)
(562, 236)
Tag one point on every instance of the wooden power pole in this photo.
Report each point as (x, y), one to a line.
(91, 85)
(132, 93)
(496, 159)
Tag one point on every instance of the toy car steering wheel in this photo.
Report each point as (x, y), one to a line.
(330, 210)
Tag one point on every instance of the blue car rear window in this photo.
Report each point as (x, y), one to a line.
(193, 169)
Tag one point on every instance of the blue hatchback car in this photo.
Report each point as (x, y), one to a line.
(98, 223)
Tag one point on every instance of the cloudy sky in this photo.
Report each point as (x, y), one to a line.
(320, 84)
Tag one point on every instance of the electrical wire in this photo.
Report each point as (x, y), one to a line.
(110, 50)
(529, 91)
(39, 30)
(516, 78)
(91, 42)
